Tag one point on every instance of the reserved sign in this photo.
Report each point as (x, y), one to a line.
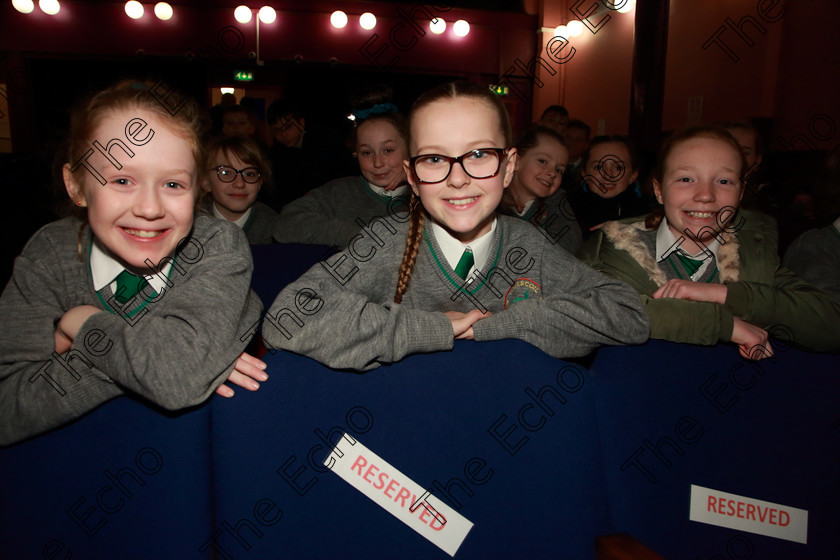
(399, 495)
(747, 514)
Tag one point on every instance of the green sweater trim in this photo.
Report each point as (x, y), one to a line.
(136, 310)
(374, 195)
(446, 274)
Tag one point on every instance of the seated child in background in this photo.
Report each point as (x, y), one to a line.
(236, 170)
(757, 195)
(455, 270)
(815, 255)
(555, 117)
(237, 122)
(134, 295)
(334, 213)
(609, 190)
(577, 141)
(303, 157)
(535, 193)
(576, 138)
(704, 272)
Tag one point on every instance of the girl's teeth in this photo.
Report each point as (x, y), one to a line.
(142, 233)
(701, 214)
(461, 201)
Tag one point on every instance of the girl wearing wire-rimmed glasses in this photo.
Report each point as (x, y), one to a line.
(450, 268)
(235, 173)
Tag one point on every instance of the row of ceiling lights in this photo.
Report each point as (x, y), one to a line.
(339, 20)
(575, 27)
(50, 7)
(243, 14)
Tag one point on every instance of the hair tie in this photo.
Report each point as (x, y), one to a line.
(376, 109)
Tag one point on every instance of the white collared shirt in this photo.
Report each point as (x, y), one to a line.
(240, 222)
(402, 190)
(525, 208)
(105, 268)
(837, 224)
(666, 243)
(453, 249)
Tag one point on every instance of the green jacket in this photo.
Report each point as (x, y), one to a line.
(758, 290)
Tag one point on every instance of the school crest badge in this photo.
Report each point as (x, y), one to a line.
(522, 289)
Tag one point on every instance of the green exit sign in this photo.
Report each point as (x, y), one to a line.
(499, 90)
(243, 76)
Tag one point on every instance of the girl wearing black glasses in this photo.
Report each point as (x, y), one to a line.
(236, 171)
(450, 268)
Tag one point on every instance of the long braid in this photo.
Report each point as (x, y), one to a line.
(412, 247)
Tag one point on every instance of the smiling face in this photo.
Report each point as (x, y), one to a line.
(539, 171)
(145, 208)
(464, 206)
(700, 178)
(380, 150)
(608, 170)
(232, 199)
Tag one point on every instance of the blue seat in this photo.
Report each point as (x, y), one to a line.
(125, 481)
(540, 492)
(672, 415)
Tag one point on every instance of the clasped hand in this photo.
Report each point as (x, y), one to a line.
(462, 323)
(752, 341)
(246, 373)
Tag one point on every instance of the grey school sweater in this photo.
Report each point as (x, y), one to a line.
(815, 257)
(342, 311)
(555, 218)
(260, 226)
(174, 350)
(334, 213)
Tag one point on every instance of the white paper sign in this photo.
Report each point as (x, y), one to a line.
(748, 514)
(398, 495)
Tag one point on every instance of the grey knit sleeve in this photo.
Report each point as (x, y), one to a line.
(39, 388)
(341, 313)
(578, 309)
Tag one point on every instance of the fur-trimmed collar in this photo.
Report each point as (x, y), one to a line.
(626, 236)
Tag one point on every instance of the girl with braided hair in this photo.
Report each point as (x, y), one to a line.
(451, 268)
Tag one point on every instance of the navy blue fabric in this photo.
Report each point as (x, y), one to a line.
(275, 266)
(767, 430)
(164, 517)
(427, 416)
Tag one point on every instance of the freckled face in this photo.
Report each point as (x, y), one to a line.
(701, 178)
(608, 172)
(461, 204)
(144, 209)
(539, 171)
(380, 150)
(232, 199)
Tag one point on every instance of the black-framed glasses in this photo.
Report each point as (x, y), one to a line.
(481, 163)
(228, 174)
